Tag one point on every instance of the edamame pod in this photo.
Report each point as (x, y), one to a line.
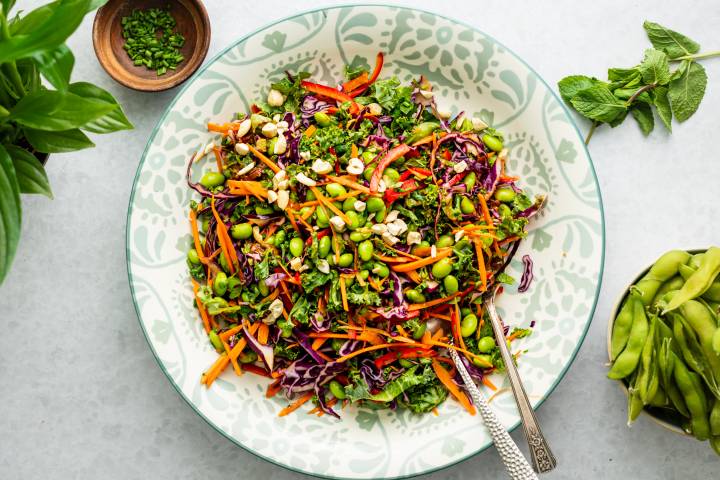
(621, 326)
(647, 379)
(703, 323)
(628, 360)
(694, 400)
(635, 404)
(421, 131)
(664, 269)
(700, 281)
(715, 418)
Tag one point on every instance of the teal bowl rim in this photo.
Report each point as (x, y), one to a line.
(611, 321)
(217, 56)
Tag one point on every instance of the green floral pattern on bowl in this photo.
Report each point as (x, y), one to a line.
(471, 72)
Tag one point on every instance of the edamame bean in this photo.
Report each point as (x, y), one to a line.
(419, 331)
(467, 206)
(392, 175)
(493, 143)
(220, 284)
(381, 270)
(346, 259)
(468, 325)
(628, 360)
(215, 341)
(335, 189)
(486, 344)
(264, 209)
(322, 119)
(364, 274)
(699, 281)
(296, 246)
(445, 241)
(241, 231)
(211, 180)
(368, 156)
(368, 172)
(349, 204)
(662, 270)
(470, 180)
(310, 196)
(322, 219)
(380, 216)
(193, 257)
(279, 238)
(222, 261)
(451, 284)
(324, 245)
(356, 221)
(365, 250)
(358, 236)
(414, 296)
(374, 204)
(421, 131)
(442, 268)
(263, 288)
(337, 389)
(505, 194)
(482, 361)
(248, 356)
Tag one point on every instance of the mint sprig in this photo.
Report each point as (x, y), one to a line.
(646, 89)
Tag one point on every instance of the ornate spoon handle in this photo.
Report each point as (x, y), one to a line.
(540, 453)
(517, 466)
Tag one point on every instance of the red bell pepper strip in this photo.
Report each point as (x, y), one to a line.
(376, 73)
(407, 187)
(330, 92)
(420, 172)
(359, 81)
(390, 357)
(389, 157)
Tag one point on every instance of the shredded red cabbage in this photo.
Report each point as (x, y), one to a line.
(527, 275)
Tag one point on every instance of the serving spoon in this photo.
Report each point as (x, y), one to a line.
(542, 457)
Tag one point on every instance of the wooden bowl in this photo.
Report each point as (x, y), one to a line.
(192, 22)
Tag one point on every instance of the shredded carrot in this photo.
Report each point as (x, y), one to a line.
(329, 204)
(401, 331)
(486, 212)
(437, 335)
(427, 337)
(435, 412)
(229, 333)
(447, 380)
(429, 139)
(292, 220)
(263, 333)
(486, 381)
(218, 158)
(296, 404)
(215, 370)
(264, 159)
(349, 182)
(353, 151)
(308, 214)
(196, 236)
(375, 347)
(310, 131)
(432, 303)
(405, 254)
(224, 239)
(247, 187)
(344, 294)
(201, 308)
(388, 259)
(406, 267)
(481, 265)
(414, 276)
(318, 343)
(356, 82)
(240, 346)
(459, 349)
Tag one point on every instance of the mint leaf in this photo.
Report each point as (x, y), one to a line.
(687, 92)
(644, 116)
(623, 74)
(570, 86)
(674, 44)
(598, 103)
(662, 104)
(655, 68)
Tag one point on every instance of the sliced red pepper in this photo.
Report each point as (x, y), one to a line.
(256, 370)
(407, 187)
(379, 59)
(330, 92)
(359, 81)
(391, 357)
(389, 157)
(255, 109)
(455, 179)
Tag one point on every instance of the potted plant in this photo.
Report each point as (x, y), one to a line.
(41, 110)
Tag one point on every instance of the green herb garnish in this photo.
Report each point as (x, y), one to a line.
(650, 84)
(151, 40)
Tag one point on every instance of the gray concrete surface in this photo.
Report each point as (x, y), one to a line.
(81, 396)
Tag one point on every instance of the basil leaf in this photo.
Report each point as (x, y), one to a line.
(687, 92)
(51, 110)
(644, 116)
(598, 103)
(673, 43)
(113, 120)
(57, 142)
(10, 213)
(655, 68)
(56, 66)
(570, 86)
(30, 173)
(51, 28)
(662, 104)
